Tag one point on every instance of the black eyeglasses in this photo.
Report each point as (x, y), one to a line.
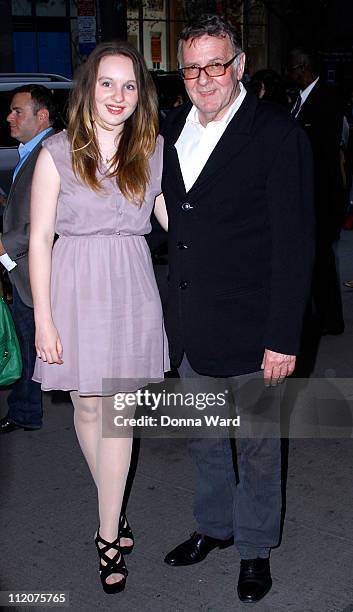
(296, 67)
(212, 70)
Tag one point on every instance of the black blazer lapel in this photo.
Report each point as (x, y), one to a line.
(311, 105)
(232, 142)
(235, 138)
(171, 161)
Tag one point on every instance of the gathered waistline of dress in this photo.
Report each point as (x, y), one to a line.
(95, 236)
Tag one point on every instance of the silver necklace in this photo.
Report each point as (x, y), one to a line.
(108, 159)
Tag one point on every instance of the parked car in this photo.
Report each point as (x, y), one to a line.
(60, 87)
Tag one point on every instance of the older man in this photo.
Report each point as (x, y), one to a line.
(32, 113)
(238, 189)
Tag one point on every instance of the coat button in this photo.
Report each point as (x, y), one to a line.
(186, 206)
(181, 245)
(183, 285)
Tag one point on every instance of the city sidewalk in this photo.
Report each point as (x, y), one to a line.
(48, 516)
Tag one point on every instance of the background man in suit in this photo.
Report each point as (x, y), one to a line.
(237, 184)
(319, 110)
(32, 112)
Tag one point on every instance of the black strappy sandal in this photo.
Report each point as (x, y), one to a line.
(116, 565)
(125, 532)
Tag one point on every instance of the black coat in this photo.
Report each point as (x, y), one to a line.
(321, 116)
(16, 224)
(240, 242)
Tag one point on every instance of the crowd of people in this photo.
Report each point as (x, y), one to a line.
(251, 193)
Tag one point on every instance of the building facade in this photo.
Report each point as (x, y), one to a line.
(57, 35)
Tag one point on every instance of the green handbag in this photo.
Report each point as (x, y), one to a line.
(10, 352)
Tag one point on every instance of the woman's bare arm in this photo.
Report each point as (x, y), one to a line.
(45, 191)
(160, 212)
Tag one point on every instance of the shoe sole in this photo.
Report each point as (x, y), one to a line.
(250, 601)
(116, 588)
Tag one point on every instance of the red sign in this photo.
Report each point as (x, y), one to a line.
(86, 8)
(156, 49)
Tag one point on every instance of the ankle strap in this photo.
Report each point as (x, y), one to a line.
(113, 544)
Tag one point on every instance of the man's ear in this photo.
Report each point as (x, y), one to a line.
(43, 115)
(240, 65)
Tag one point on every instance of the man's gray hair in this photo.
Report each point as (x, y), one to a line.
(210, 25)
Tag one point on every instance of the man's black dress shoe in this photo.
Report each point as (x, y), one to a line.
(195, 549)
(254, 579)
(7, 426)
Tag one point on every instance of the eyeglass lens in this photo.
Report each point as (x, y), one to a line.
(212, 70)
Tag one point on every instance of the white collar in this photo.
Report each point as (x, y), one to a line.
(305, 92)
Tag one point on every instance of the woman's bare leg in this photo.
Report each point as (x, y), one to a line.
(108, 459)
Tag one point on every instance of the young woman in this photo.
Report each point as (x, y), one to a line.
(99, 327)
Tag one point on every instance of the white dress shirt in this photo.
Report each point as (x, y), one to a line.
(24, 150)
(196, 142)
(7, 262)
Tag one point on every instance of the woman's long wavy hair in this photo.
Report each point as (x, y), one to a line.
(130, 164)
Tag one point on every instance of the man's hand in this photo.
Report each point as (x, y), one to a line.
(2, 250)
(276, 367)
(2, 200)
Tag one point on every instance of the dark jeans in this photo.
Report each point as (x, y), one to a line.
(238, 482)
(25, 399)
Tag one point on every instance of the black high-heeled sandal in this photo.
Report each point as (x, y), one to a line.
(116, 565)
(125, 532)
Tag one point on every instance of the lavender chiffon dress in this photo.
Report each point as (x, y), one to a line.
(105, 301)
